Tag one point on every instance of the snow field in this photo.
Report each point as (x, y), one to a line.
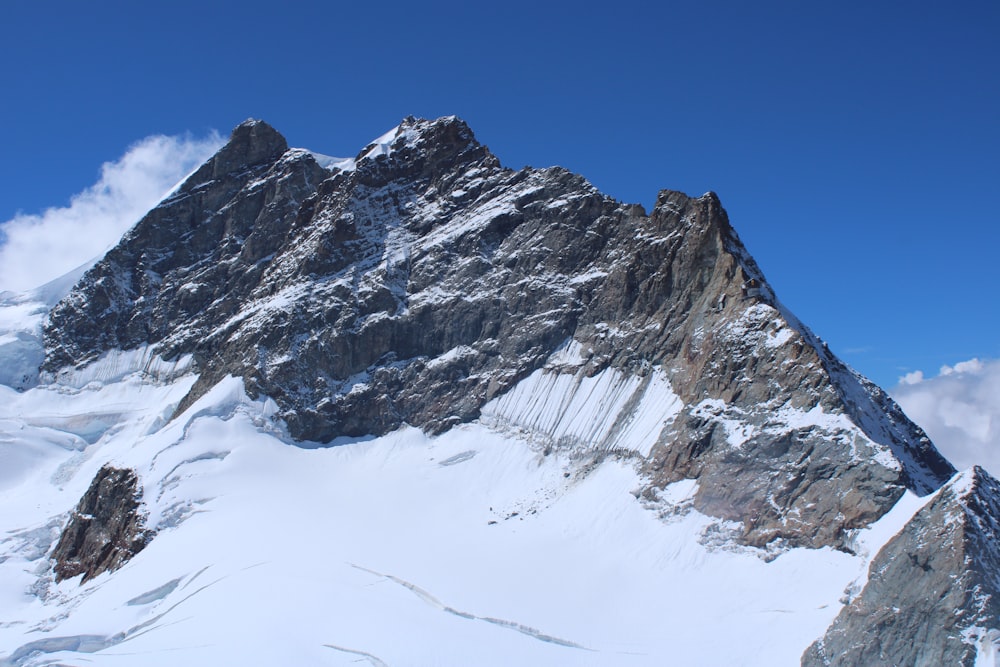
(467, 548)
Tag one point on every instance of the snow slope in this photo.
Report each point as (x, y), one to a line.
(474, 547)
(21, 318)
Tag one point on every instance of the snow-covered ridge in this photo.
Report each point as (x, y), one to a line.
(333, 163)
(770, 324)
(411, 292)
(879, 417)
(382, 146)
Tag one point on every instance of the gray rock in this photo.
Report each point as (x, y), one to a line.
(105, 530)
(933, 591)
(428, 280)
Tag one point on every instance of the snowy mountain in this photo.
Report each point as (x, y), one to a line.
(414, 407)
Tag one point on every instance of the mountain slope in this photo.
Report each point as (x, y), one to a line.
(470, 547)
(415, 407)
(421, 280)
(933, 592)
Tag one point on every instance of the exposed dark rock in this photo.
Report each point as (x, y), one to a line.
(105, 530)
(428, 279)
(933, 591)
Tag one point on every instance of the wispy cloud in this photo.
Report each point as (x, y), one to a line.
(40, 247)
(960, 410)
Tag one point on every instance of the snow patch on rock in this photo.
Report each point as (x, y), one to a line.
(607, 411)
(118, 364)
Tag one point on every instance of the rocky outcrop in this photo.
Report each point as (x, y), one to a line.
(933, 591)
(105, 530)
(190, 258)
(420, 280)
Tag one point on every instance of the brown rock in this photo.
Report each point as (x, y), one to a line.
(106, 528)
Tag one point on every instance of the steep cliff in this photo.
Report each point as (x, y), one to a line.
(423, 283)
(933, 592)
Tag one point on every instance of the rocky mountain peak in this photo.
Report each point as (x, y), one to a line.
(672, 199)
(584, 357)
(423, 283)
(420, 148)
(252, 142)
(974, 486)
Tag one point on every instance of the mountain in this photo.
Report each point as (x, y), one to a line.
(421, 349)
(422, 280)
(930, 598)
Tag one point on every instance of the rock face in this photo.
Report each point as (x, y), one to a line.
(105, 530)
(933, 592)
(421, 281)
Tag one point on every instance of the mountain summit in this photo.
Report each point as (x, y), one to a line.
(421, 282)
(423, 286)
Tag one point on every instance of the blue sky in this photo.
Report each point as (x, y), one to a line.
(855, 145)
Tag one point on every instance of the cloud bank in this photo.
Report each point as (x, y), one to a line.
(959, 409)
(41, 247)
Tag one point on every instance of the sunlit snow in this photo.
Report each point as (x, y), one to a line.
(471, 548)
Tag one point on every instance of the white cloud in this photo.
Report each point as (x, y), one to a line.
(42, 247)
(970, 366)
(959, 409)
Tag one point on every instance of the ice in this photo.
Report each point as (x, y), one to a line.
(156, 594)
(987, 642)
(118, 364)
(21, 352)
(607, 411)
(568, 353)
(467, 548)
(21, 319)
(492, 544)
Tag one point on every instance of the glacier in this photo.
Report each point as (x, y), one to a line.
(479, 546)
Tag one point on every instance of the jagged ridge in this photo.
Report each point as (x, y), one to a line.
(933, 591)
(421, 280)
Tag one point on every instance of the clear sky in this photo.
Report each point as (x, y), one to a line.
(855, 145)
